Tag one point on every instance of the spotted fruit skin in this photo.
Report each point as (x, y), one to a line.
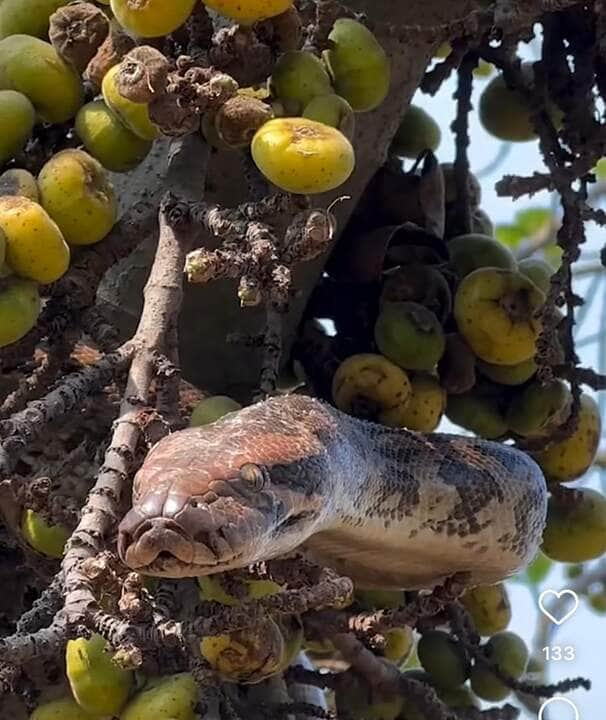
(248, 12)
(35, 246)
(26, 18)
(62, 709)
(109, 141)
(570, 458)
(371, 386)
(173, 697)
(46, 539)
(98, 685)
(76, 192)
(151, 18)
(495, 311)
(489, 608)
(33, 67)
(19, 182)
(358, 64)
(302, 156)
(17, 118)
(134, 115)
(19, 308)
(426, 404)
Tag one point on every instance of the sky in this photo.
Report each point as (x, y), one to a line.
(585, 631)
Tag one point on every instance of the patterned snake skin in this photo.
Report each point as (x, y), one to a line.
(387, 507)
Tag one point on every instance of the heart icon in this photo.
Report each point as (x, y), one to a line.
(559, 701)
(559, 595)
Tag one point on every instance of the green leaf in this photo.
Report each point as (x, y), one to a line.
(531, 221)
(509, 235)
(539, 569)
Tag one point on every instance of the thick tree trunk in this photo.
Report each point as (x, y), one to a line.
(210, 312)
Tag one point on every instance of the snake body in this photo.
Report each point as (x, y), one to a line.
(387, 507)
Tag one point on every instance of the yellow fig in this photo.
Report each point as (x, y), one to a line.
(151, 18)
(46, 539)
(167, 698)
(63, 709)
(496, 311)
(570, 458)
(108, 140)
(76, 192)
(371, 387)
(489, 608)
(426, 404)
(212, 588)
(399, 644)
(33, 67)
(98, 685)
(19, 182)
(132, 114)
(248, 12)
(26, 18)
(17, 118)
(35, 247)
(302, 156)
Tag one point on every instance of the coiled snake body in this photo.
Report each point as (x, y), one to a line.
(388, 507)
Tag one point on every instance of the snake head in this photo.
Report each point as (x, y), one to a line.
(209, 499)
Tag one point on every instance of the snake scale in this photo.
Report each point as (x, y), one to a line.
(387, 507)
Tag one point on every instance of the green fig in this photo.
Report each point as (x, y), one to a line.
(298, 77)
(418, 131)
(539, 409)
(470, 252)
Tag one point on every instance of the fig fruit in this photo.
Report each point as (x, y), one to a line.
(134, 115)
(444, 659)
(409, 335)
(470, 252)
(26, 18)
(508, 374)
(537, 270)
(302, 156)
(418, 131)
(249, 11)
(46, 539)
(17, 118)
(18, 182)
(482, 414)
(426, 404)
(211, 409)
(539, 409)
(35, 247)
(332, 110)
(489, 608)
(173, 697)
(510, 655)
(76, 192)
(62, 709)
(151, 18)
(297, 78)
(108, 140)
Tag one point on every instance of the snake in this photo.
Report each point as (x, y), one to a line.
(387, 507)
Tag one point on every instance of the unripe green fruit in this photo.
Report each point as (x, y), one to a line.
(98, 685)
(358, 64)
(539, 409)
(409, 335)
(537, 270)
(134, 115)
(576, 526)
(508, 374)
(27, 18)
(34, 68)
(418, 131)
(211, 409)
(444, 659)
(510, 655)
(167, 698)
(17, 118)
(298, 77)
(378, 599)
(489, 608)
(470, 252)
(44, 538)
(482, 414)
(19, 308)
(399, 644)
(20, 183)
(332, 110)
(108, 140)
(63, 709)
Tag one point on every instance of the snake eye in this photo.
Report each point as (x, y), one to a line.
(254, 475)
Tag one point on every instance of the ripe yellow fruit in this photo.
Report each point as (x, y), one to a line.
(212, 589)
(151, 18)
(332, 110)
(399, 644)
(470, 252)
(371, 387)
(358, 64)
(426, 404)
(246, 656)
(495, 312)
(489, 608)
(108, 140)
(27, 18)
(302, 156)
(134, 115)
(576, 526)
(34, 68)
(98, 685)
(297, 78)
(167, 698)
(44, 538)
(211, 409)
(508, 374)
(418, 131)
(22, 183)
(570, 458)
(35, 247)
(248, 12)
(17, 118)
(63, 709)
(77, 194)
